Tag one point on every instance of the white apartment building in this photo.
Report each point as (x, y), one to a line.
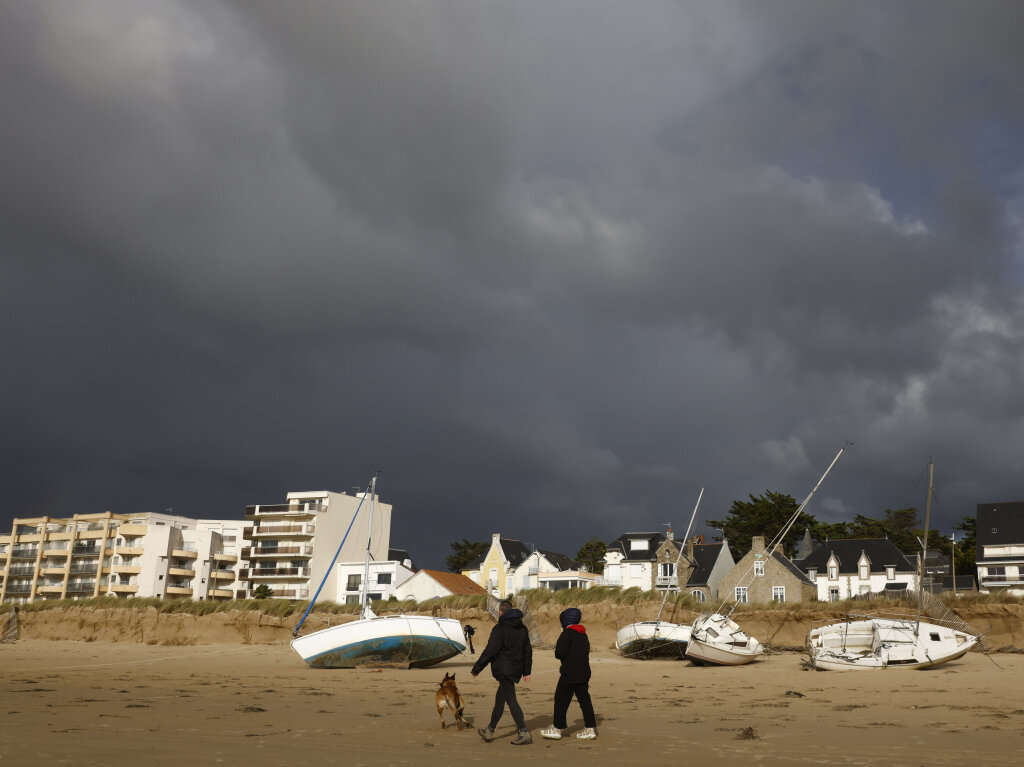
(289, 546)
(91, 555)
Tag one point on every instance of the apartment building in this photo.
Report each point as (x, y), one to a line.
(289, 546)
(91, 555)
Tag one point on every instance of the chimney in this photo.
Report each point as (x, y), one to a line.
(669, 534)
(689, 547)
(757, 544)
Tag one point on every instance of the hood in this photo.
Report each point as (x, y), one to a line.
(514, 617)
(577, 628)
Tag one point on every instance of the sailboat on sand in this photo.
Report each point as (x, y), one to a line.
(716, 638)
(877, 641)
(658, 638)
(404, 641)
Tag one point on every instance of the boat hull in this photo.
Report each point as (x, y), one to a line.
(401, 641)
(653, 639)
(719, 641)
(874, 643)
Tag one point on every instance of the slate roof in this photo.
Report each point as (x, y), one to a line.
(999, 524)
(792, 568)
(561, 561)
(881, 552)
(704, 557)
(515, 552)
(623, 544)
(400, 555)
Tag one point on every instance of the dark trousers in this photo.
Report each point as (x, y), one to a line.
(563, 697)
(507, 694)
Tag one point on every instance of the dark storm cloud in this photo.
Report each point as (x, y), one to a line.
(552, 267)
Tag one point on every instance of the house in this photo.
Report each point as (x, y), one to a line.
(549, 570)
(700, 568)
(492, 570)
(1000, 547)
(852, 567)
(432, 584)
(383, 580)
(758, 577)
(631, 560)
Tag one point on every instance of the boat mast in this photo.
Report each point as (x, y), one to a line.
(924, 548)
(369, 535)
(682, 545)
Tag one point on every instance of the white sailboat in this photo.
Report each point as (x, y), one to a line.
(716, 638)
(658, 638)
(406, 641)
(876, 641)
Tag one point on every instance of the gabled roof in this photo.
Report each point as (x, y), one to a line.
(514, 551)
(454, 582)
(793, 569)
(704, 557)
(624, 543)
(1000, 524)
(561, 561)
(881, 552)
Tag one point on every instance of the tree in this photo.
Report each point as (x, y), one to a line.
(464, 552)
(899, 526)
(591, 554)
(263, 591)
(765, 515)
(966, 549)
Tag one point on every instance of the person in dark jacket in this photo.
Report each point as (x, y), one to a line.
(469, 631)
(573, 649)
(510, 656)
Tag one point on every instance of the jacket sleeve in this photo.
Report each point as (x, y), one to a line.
(527, 655)
(563, 645)
(489, 652)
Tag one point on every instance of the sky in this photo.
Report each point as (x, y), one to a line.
(550, 267)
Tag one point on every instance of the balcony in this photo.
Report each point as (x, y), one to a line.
(181, 572)
(273, 572)
(53, 569)
(81, 587)
(24, 553)
(56, 551)
(222, 575)
(279, 531)
(290, 594)
(130, 551)
(220, 593)
(51, 589)
(666, 582)
(283, 511)
(602, 581)
(83, 569)
(299, 550)
(184, 554)
(125, 588)
(229, 558)
(179, 591)
(1001, 580)
(86, 551)
(127, 569)
(131, 531)
(21, 570)
(19, 588)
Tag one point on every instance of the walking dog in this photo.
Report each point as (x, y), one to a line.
(448, 698)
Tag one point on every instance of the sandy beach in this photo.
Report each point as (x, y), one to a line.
(105, 703)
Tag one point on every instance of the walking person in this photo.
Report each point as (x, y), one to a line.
(469, 631)
(510, 656)
(573, 649)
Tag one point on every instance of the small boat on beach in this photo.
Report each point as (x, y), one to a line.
(404, 641)
(653, 639)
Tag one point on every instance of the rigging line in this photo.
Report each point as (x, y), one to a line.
(769, 552)
(682, 545)
(336, 555)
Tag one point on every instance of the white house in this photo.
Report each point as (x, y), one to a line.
(631, 560)
(432, 584)
(384, 579)
(548, 570)
(857, 567)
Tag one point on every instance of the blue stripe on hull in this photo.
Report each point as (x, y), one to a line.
(403, 651)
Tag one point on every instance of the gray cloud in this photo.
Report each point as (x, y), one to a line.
(552, 267)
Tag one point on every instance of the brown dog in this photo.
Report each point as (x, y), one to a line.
(448, 698)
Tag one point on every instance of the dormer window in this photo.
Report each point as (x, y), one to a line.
(639, 545)
(864, 572)
(890, 573)
(833, 572)
(812, 574)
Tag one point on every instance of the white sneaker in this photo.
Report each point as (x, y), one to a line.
(587, 733)
(551, 733)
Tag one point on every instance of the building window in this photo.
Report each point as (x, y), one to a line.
(833, 572)
(778, 593)
(741, 594)
(383, 577)
(639, 545)
(997, 571)
(833, 594)
(812, 575)
(667, 569)
(864, 572)
(758, 567)
(699, 596)
(890, 573)
(636, 571)
(353, 582)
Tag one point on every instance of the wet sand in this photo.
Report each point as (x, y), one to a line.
(99, 703)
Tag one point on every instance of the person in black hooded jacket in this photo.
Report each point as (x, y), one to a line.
(510, 656)
(573, 649)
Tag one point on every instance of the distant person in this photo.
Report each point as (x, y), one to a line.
(510, 656)
(573, 649)
(469, 631)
